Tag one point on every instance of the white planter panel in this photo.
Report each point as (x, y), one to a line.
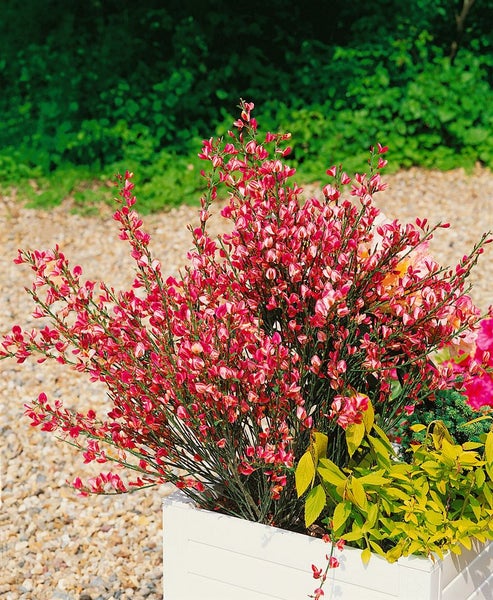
(209, 556)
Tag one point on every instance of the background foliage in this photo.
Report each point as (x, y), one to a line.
(97, 86)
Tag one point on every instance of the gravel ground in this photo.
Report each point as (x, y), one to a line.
(57, 546)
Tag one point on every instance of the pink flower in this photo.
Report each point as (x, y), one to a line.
(479, 391)
(317, 573)
(484, 338)
(348, 410)
(245, 469)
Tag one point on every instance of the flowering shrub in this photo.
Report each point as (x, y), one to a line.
(296, 321)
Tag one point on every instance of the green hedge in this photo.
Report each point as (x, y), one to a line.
(98, 85)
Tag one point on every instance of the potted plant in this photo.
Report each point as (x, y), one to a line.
(291, 345)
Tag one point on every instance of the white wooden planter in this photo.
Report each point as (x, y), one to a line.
(208, 556)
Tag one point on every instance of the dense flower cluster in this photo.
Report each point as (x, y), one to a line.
(287, 324)
(474, 364)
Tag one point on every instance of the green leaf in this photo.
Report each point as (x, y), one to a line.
(314, 504)
(395, 389)
(305, 474)
(475, 135)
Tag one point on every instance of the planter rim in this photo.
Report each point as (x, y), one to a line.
(422, 563)
(209, 553)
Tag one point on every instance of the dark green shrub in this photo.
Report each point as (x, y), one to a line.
(99, 84)
(451, 408)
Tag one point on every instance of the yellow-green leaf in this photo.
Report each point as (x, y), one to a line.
(341, 514)
(380, 448)
(354, 436)
(366, 555)
(471, 445)
(488, 453)
(467, 458)
(416, 547)
(397, 493)
(440, 433)
(417, 428)
(466, 542)
(319, 442)
(476, 506)
(377, 548)
(441, 487)
(477, 419)
(436, 501)
(488, 494)
(354, 535)
(305, 473)
(369, 417)
(433, 517)
(480, 477)
(431, 467)
(330, 472)
(449, 451)
(314, 504)
(359, 494)
(371, 517)
(374, 478)
(383, 436)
